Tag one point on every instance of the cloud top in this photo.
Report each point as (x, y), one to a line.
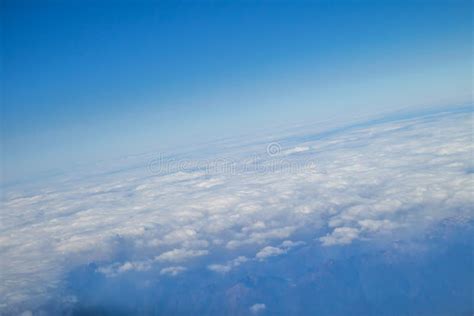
(375, 181)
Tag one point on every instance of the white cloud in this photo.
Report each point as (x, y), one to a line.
(172, 271)
(297, 149)
(368, 183)
(377, 225)
(269, 251)
(116, 269)
(224, 268)
(283, 248)
(257, 308)
(340, 236)
(288, 244)
(260, 237)
(176, 255)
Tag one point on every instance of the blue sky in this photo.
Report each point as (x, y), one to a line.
(83, 82)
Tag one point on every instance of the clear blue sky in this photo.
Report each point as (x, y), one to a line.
(89, 80)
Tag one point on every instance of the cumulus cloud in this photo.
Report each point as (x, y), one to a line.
(340, 236)
(224, 268)
(257, 308)
(176, 255)
(173, 271)
(260, 237)
(377, 225)
(269, 251)
(370, 181)
(283, 248)
(117, 268)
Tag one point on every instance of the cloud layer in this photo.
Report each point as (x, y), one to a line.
(387, 180)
